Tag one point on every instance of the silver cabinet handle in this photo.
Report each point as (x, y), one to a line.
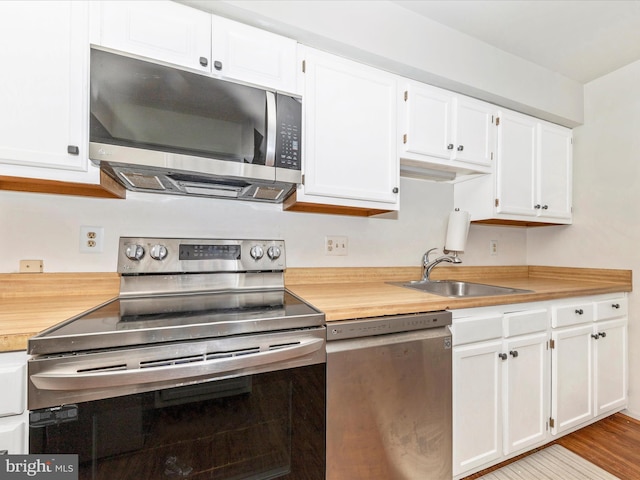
(204, 61)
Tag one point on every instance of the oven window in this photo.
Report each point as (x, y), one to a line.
(264, 426)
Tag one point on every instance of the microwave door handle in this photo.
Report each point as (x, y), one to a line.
(72, 380)
(272, 123)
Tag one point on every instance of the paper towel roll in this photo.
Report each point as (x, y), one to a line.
(457, 231)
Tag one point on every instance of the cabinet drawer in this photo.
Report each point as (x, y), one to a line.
(476, 329)
(613, 308)
(572, 314)
(13, 402)
(530, 321)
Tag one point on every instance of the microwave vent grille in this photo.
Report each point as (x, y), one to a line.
(149, 182)
(268, 193)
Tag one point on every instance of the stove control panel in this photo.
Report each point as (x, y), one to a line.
(138, 255)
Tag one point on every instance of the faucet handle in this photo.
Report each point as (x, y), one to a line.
(426, 255)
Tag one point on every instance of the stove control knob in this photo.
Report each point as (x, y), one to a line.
(274, 253)
(134, 252)
(158, 252)
(256, 252)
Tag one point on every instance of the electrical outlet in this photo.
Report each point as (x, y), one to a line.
(493, 247)
(335, 245)
(91, 239)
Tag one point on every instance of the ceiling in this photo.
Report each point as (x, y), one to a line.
(582, 40)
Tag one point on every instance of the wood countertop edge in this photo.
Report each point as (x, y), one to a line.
(444, 303)
(324, 288)
(83, 291)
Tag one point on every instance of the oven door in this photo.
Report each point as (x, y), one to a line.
(261, 422)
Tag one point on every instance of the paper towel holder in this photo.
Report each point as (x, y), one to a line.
(457, 233)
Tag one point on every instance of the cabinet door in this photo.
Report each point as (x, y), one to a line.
(610, 365)
(473, 135)
(515, 174)
(14, 373)
(428, 121)
(525, 392)
(350, 120)
(572, 377)
(477, 419)
(161, 30)
(43, 86)
(252, 55)
(13, 434)
(554, 171)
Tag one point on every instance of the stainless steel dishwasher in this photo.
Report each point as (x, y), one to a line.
(389, 398)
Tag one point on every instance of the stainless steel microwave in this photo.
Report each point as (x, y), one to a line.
(157, 128)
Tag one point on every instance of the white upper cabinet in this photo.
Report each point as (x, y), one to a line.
(184, 36)
(516, 167)
(532, 182)
(254, 56)
(534, 169)
(349, 129)
(443, 130)
(161, 30)
(43, 125)
(554, 174)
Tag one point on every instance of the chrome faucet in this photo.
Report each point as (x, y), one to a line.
(427, 265)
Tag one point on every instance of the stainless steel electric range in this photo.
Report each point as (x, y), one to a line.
(204, 367)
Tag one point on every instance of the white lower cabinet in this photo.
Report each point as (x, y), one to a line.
(500, 386)
(589, 362)
(477, 419)
(523, 374)
(525, 388)
(13, 413)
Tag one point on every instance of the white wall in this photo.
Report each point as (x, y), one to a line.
(606, 166)
(46, 227)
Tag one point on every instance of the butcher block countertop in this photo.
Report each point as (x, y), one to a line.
(30, 303)
(344, 293)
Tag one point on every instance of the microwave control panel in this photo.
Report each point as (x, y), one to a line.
(288, 141)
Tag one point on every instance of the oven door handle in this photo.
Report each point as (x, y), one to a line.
(67, 378)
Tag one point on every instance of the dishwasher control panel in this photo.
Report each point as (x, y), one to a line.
(368, 327)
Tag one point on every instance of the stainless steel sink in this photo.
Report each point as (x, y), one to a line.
(456, 289)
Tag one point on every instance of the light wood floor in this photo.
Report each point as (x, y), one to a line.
(613, 444)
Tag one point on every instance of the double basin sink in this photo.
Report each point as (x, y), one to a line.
(457, 289)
